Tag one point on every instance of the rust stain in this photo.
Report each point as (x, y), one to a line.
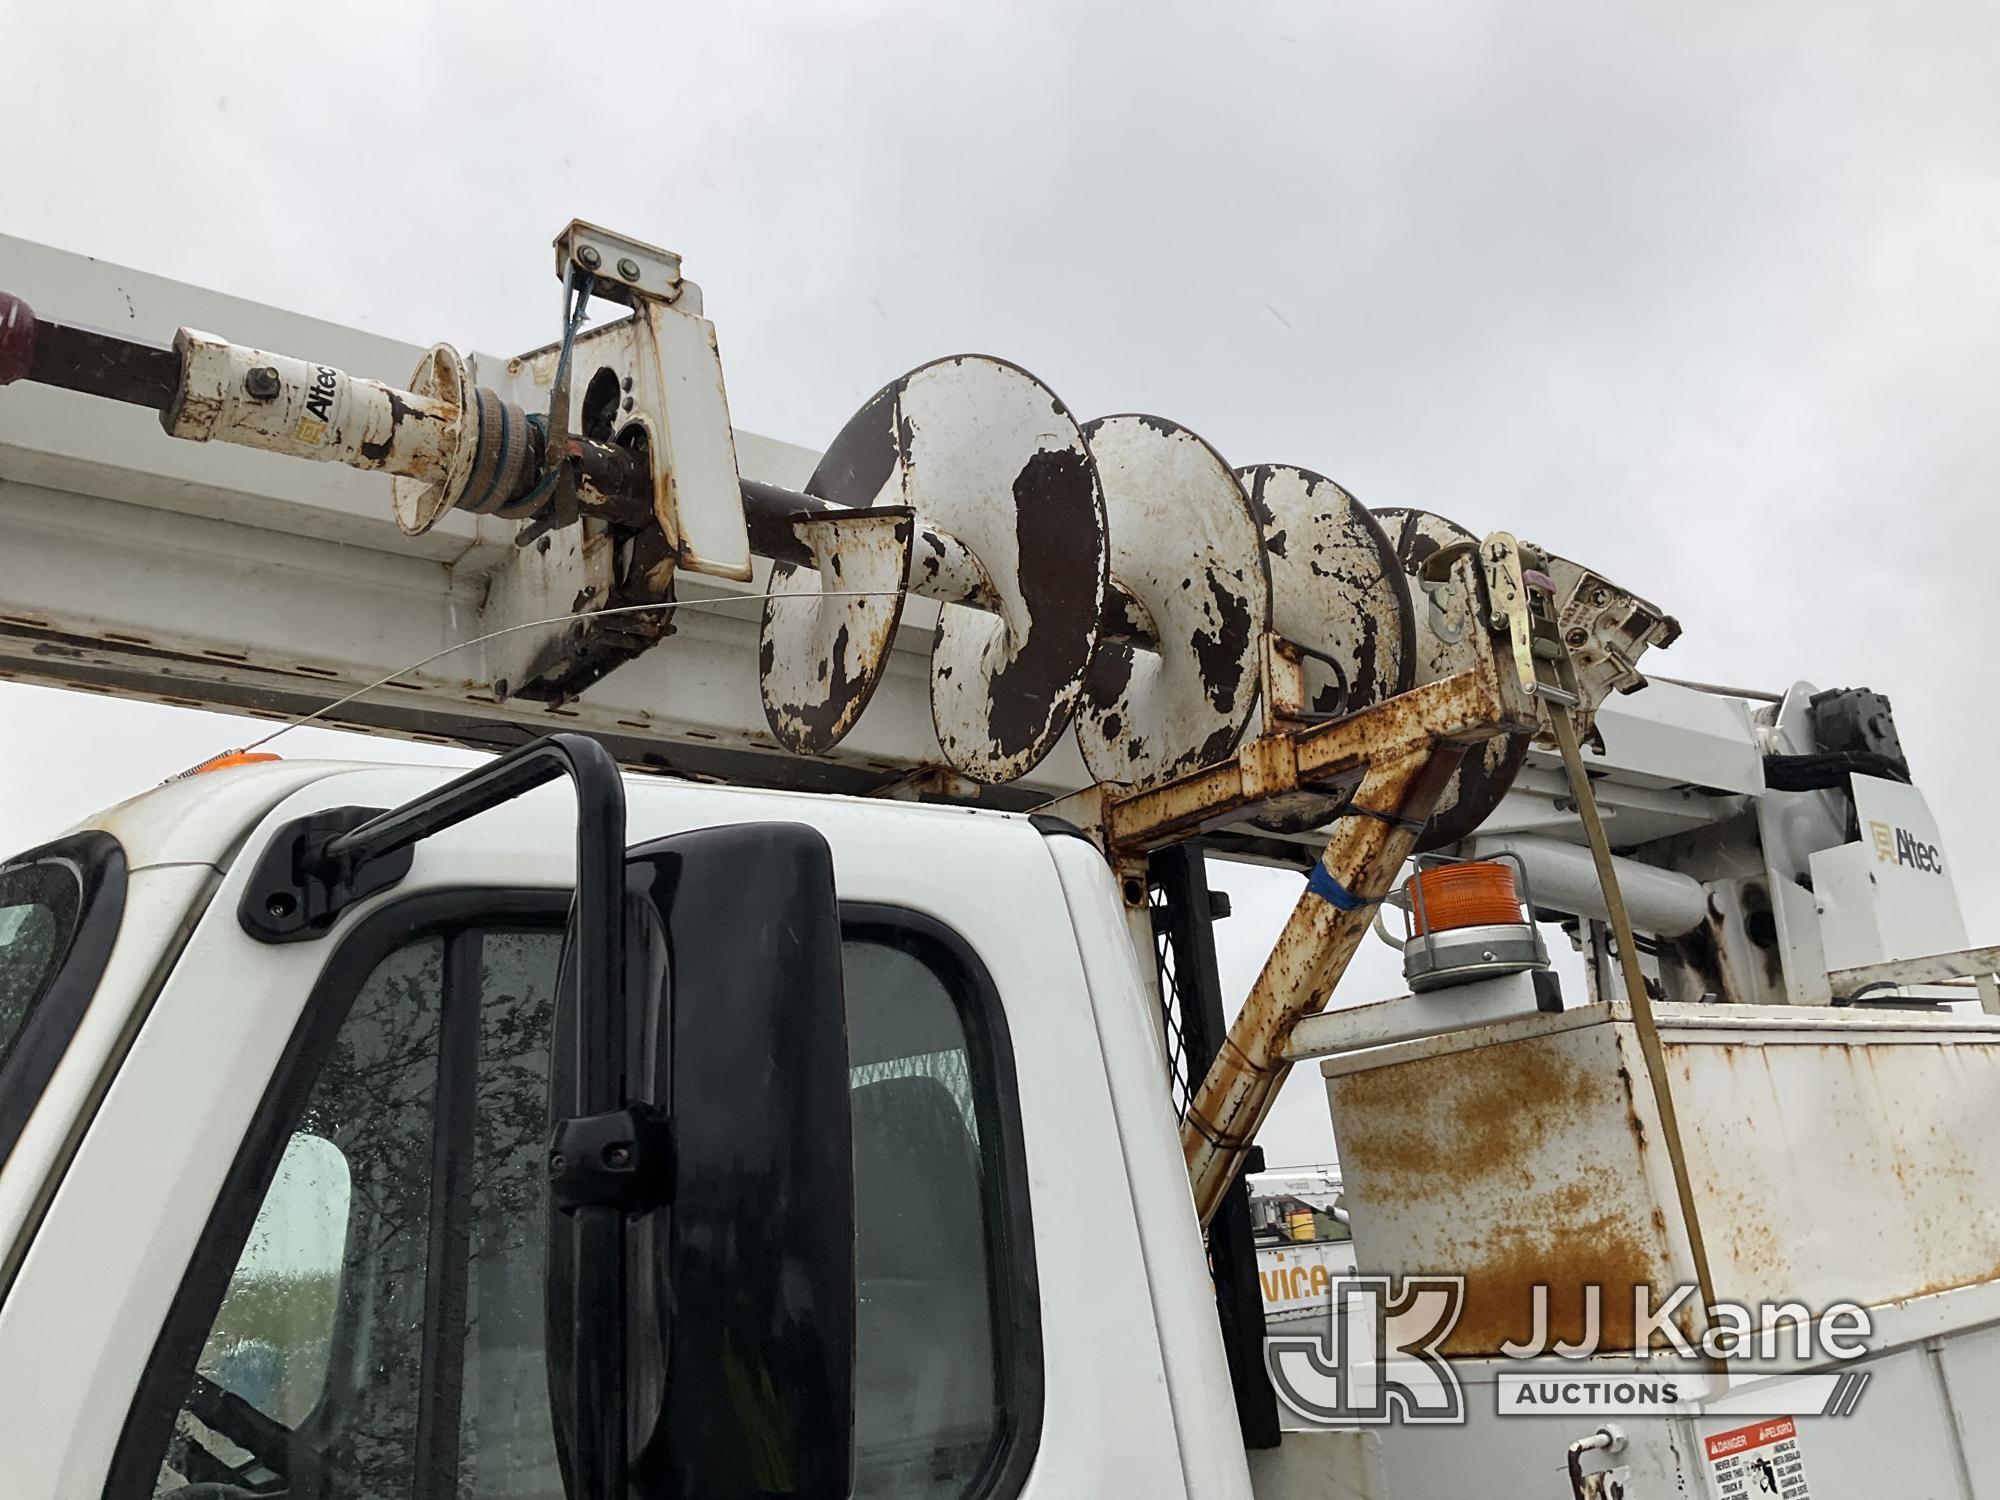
(1186, 553)
(1503, 1268)
(1485, 1113)
(1475, 1128)
(821, 656)
(1951, 1284)
(1755, 1246)
(1459, 710)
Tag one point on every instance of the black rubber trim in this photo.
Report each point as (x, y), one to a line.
(1010, 1234)
(149, 1423)
(1829, 770)
(1186, 920)
(96, 861)
(1049, 826)
(454, 1130)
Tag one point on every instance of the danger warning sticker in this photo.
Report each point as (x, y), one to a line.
(1759, 1462)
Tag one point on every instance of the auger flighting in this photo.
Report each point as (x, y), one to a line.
(1117, 576)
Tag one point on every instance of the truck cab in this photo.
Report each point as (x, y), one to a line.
(852, 1110)
(329, 1158)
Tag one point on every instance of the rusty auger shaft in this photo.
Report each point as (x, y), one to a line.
(206, 389)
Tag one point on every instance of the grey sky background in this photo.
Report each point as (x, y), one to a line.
(1703, 294)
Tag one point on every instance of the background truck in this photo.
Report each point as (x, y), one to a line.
(846, 1107)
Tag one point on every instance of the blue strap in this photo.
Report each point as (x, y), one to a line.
(1322, 884)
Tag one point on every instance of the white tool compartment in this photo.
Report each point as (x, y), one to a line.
(1835, 1155)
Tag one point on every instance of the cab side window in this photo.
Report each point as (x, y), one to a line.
(390, 1284)
(381, 1336)
(937, 1370)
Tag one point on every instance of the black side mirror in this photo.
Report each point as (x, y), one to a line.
(732, 1174)
(701, 1282)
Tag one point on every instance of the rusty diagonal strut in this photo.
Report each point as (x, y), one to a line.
(1403, 753)
(1357, 869)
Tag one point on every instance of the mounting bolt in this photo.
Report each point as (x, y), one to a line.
(558, 1163)
(588, 258)
(628, 268)
(618, 1156)
(625, 384)
(261, 383)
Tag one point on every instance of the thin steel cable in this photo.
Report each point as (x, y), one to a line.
(588, 614)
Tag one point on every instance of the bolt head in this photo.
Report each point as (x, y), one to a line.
(588, 257)
(628, 268)
(618, 1156)
(261, 383)
(558, 1162)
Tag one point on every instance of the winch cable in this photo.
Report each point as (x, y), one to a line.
(478, 640)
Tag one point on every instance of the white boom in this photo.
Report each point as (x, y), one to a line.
(227, 578)
(218, 576)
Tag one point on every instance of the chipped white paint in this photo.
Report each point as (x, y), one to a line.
(828, 628)
(1186, 547)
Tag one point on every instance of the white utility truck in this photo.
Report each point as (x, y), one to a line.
(795, 1064)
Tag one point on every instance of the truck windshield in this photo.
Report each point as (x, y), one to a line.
(59, 910)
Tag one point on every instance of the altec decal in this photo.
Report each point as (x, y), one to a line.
(1898, 846)
(319, 405)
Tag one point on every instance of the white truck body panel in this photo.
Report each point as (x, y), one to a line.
(1119, 1414)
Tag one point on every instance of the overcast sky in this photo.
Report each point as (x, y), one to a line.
(1702, 294)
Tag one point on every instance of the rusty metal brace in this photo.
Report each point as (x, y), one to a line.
(1361, 860)
(1405, 752)
(1394, 820)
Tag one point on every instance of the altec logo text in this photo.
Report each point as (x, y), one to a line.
(317, 419)
(1899, 846)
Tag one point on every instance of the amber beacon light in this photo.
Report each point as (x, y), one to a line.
(1467, 919)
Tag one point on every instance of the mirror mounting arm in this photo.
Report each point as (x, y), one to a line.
(317, 867)
(622, 1160)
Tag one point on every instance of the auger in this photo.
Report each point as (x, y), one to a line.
(1115, 575)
